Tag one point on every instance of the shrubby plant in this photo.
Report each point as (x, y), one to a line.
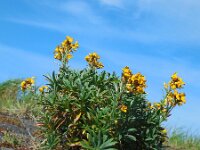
(98, 110)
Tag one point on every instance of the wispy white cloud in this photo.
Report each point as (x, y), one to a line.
(148, 21)
(172, 21)
(81, 9)
(76, 9)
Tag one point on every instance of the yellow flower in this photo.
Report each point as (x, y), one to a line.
(126, 72)
(150, 106)
(65, 48)
(69, 39)
(138, 82)
(58, 56)
(166, 86)
(157, 105)
(99, 65)
(23, 85)
(64, 43)
(75, 46)
(124, 108)
(57, 50)
(180, 97)
(27, 83)
(30, 80)
(174, 77)
(92, 59)
(69, 56)
(139, 89)
(169, 101)
(95, 55)
(87, 58)
(176, 82)
(42, 88)
(129, 87)
(164, 131)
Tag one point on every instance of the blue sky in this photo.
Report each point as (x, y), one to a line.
(154, 37)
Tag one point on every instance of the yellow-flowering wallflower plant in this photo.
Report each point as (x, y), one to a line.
(80, 107)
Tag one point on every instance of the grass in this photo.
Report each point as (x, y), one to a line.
(11, 140)
(13, 108)
(14, 103)
(27, 107)
(9, 89)
(183, 140)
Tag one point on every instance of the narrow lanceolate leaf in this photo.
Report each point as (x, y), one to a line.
(131, 137)
(132, 130)
(77, 117)
(85, 144)
(108, 144)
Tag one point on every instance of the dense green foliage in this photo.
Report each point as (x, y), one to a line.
(82, 108)
(96, 122)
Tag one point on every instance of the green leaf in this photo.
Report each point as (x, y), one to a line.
(131, 137)
(132, 130)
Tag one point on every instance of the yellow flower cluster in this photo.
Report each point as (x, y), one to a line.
(157, 106)
(135, 83)
(127, 73)
(174, 97)
(27, 83)
(63, 51)
(178, 97)
(170, 99)
(43, 88)
(92, 60)
(176, 82)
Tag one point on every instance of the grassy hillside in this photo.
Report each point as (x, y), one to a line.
(183, 140)
(9, 89)
(17, 117)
